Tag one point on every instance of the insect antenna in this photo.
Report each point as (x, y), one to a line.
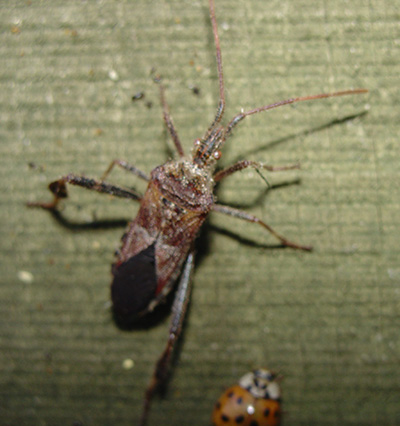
(239, 117)
(221, 105)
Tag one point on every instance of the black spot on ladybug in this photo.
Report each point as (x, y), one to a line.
(266, 412)
(224, 418)
(230, 394)
(239, 419)
(254, 423)
(239, 400)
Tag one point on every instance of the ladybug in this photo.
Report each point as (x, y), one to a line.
(254, 401)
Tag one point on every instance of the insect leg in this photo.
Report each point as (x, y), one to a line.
(59, 190)
(179, 309)
(124, 165)
(243, 164)
(168, 121)
(240, 214)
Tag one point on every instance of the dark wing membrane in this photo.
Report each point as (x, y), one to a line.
(134, 284)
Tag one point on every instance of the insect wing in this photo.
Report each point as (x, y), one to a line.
(134, 283)
(173, 245)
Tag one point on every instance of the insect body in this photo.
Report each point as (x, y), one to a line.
(157, 248)
(175, 205)
(254, 401)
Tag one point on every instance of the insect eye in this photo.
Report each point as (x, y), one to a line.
(217, 155)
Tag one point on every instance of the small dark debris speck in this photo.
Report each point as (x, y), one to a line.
(137, 96)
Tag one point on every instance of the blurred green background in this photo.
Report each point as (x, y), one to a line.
(328, 321)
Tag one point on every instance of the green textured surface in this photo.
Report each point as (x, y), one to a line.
(328, 321)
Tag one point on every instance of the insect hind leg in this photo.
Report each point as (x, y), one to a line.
(179, 309)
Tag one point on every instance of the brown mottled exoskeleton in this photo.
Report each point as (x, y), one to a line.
(157, 247)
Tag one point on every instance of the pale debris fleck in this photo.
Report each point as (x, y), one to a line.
(113, 75)
(96, 245)
(25, 276)
(127, 364)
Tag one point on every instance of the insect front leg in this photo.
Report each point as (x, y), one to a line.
(126, 166)
(254, 219)
(179, 309)
(59, 190)
(244, 164)
(168, 120)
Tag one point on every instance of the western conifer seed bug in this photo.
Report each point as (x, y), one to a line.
(158, 246)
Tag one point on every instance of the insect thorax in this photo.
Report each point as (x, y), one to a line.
(185, 184)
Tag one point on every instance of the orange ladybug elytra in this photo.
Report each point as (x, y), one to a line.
(254, 401)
